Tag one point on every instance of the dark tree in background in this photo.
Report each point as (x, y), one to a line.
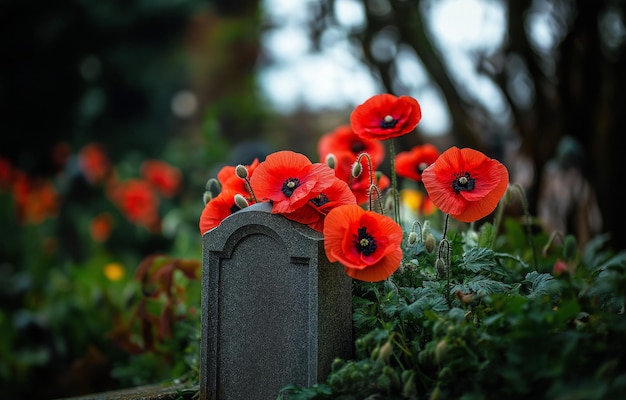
(564, 133)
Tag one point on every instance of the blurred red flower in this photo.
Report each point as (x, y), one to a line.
(385, 116)
(35, 199)
(410, 164)
(94, 163)
(343, 139)
(465, 183)
(101, 227)
(138, 202)
(164, 177)
(366, 243)
(289, 180)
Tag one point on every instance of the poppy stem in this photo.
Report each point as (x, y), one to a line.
(445, 227)
(249, 187)
(394, 182)
(529, 235)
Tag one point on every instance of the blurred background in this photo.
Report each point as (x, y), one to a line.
(115, 113)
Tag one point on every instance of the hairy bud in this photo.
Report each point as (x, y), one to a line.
(430, 242)
(241, 201)
(331, 160)
(356, 169)
(241, 171)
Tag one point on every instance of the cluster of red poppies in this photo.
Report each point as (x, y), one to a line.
(329, 196)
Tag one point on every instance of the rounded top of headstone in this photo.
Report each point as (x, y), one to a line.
(298, 238)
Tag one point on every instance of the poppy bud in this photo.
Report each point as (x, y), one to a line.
(408, 390)
(412, 238)
(385, 352)
(240, 201)
(241, 171)
(206, 197)
(212, 185)
(441, 267)
(429, 243)
(356, 169)
(331, 160)
(441, 350)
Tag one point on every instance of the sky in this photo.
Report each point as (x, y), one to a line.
(336, 79)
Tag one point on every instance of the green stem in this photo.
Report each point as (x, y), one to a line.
(394, 182)
(529, 235)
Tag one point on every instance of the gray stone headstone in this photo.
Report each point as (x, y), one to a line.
(275, 311)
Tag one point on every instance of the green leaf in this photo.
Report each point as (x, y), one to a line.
(482, 286)
(478, 259)
(540, 284)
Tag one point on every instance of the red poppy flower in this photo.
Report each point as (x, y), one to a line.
(410, 164)
(313, 213)
(217, 209)
(343, 139)
(465, 183)
(289, 180)
(366, 243)
(230, 181)
(164, 177)
(385, 116)
(361, 184)
(138, 202)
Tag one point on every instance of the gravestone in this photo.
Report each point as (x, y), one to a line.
(275, 311)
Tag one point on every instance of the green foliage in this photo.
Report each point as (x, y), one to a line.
(490, 325)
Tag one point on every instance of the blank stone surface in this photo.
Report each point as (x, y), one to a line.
(274, 310)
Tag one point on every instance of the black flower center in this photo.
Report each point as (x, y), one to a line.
(320, 200)
(234, 208)
(289, 186)
(463, 182)
(419, 168)
(388, 122)
(364, 242)
(357, 147)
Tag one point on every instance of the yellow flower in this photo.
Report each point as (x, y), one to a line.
(114, 271)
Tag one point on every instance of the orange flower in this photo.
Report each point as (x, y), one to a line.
(465, 183)
(343, 139)
(366, 243)
(164, 177)
(410, 164)
(385, 116)
(289, 180)
(217, 209)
